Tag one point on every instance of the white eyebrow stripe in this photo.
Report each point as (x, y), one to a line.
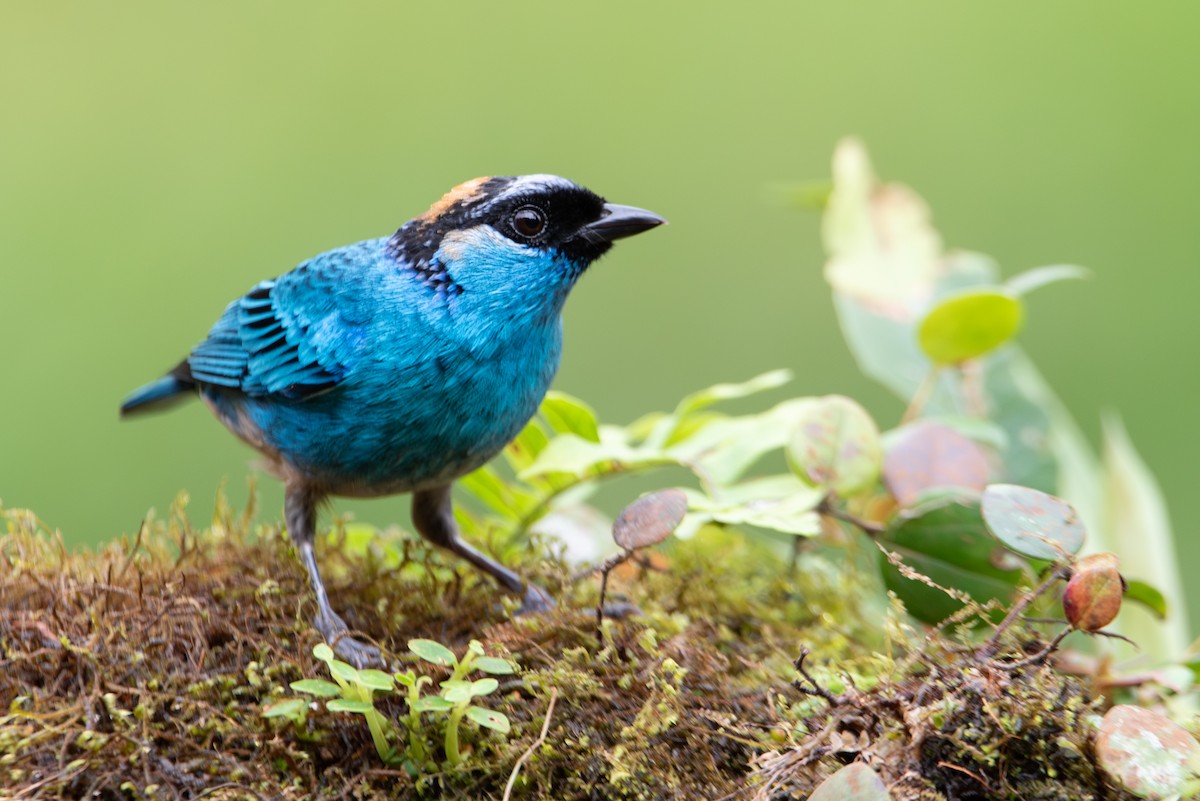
(530, 184)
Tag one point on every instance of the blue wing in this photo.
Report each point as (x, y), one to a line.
(294, 336)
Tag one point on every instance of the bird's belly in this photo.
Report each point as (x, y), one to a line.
(382, 437)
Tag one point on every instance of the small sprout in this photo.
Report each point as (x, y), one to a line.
(1146, 752)
(1031, 522)
(929, 456)
(293, 709)
(650, 519)
(1093, 594)
(855, 782)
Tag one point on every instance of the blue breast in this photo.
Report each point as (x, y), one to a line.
(428, 387)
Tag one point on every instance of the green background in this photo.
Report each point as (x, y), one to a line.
(157, 159)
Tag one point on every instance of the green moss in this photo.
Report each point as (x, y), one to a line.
(142, 671)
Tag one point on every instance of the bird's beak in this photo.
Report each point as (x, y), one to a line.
(619, 222)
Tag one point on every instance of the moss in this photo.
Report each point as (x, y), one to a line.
(142, 671)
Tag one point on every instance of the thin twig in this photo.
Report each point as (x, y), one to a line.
(867, 526)
(990, 648)
(512, 777)
(1040, 655)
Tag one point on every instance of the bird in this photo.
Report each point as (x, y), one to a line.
(398, 364)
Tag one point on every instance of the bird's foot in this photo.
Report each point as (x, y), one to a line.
(354, 652)
(536, 601)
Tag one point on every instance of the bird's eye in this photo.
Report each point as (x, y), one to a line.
(529, 221)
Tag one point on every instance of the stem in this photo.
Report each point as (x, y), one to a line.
(452, 756)
(922, 395)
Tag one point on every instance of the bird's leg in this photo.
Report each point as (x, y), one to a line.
(300, 509)
(433, 516)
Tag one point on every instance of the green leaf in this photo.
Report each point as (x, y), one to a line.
(294, 709)
(432, 651)
(923, 456)
(484, 686)
(969, 325)
(522, 451)
(376, 680)
(320, 687)
(835, 446)
(569, 415)
(949, 544)
(343, 672)
(722, 392)
(489, 719)
(1032, 522)
(571, 454)
(456, 691)
(494, 665)
(855, 782)
(432, 703)
(1148, 596)
(486, 485)
(323, 652)
(780, 503)
(348, 705)
(1038, 277)
(726, 448)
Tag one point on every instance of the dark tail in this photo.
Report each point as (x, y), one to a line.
(161, 394)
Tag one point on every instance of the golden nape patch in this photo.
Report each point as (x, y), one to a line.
(463, 193)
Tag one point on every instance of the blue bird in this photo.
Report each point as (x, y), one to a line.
(399, 364)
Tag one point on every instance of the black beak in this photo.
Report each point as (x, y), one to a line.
(619, 222)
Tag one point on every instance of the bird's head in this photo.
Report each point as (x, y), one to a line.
(513, 241)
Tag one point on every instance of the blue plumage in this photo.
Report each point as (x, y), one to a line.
(398, 364)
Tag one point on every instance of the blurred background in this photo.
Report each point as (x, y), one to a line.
(156, 160)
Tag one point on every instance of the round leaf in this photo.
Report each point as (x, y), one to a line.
(494, 665)
(1092, 598)
(929, 456)
(323, 652)
(456, 690)
(1146, 752)
(855, 782)
(968, 325)
(432, 651)
(432, 703)
(484, 686)
(320, 687)
(343, 672)
(1032, 522)
(835, 446)
(650, 519)
(489, 719)
(347, 705)
(291, 708)
(376, 680)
